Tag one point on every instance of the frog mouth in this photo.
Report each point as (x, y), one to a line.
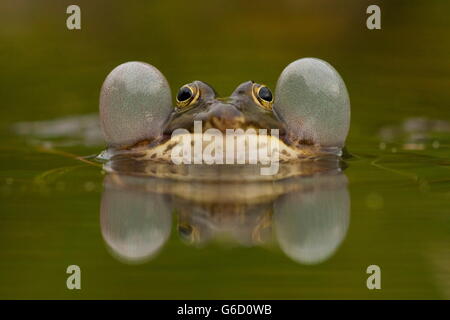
(235, 140)
(238, 145)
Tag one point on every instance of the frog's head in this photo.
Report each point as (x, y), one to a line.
(310, 108)
(249, 106)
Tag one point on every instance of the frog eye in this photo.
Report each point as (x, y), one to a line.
(187, 95)
(262, 96)
(311, 98)
(135, 102)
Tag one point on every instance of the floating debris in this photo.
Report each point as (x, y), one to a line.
(414, 134)
(68, 131)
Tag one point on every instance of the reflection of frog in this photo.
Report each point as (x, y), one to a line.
(308, 216)
(310, 109)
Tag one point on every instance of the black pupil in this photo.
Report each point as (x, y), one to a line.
(184, 94)
(265, 94)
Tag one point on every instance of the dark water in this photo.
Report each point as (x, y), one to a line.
(389, 207)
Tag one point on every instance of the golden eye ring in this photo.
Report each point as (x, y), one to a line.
(262, 96)
(187, 95)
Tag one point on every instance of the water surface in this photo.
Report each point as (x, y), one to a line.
(389, 207)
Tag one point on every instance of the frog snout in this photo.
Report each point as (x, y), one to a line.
(223, 116)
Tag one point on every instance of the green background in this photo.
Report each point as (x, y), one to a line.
(49, 218)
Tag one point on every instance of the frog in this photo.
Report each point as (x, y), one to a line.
(307, 217)
(309, 112)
